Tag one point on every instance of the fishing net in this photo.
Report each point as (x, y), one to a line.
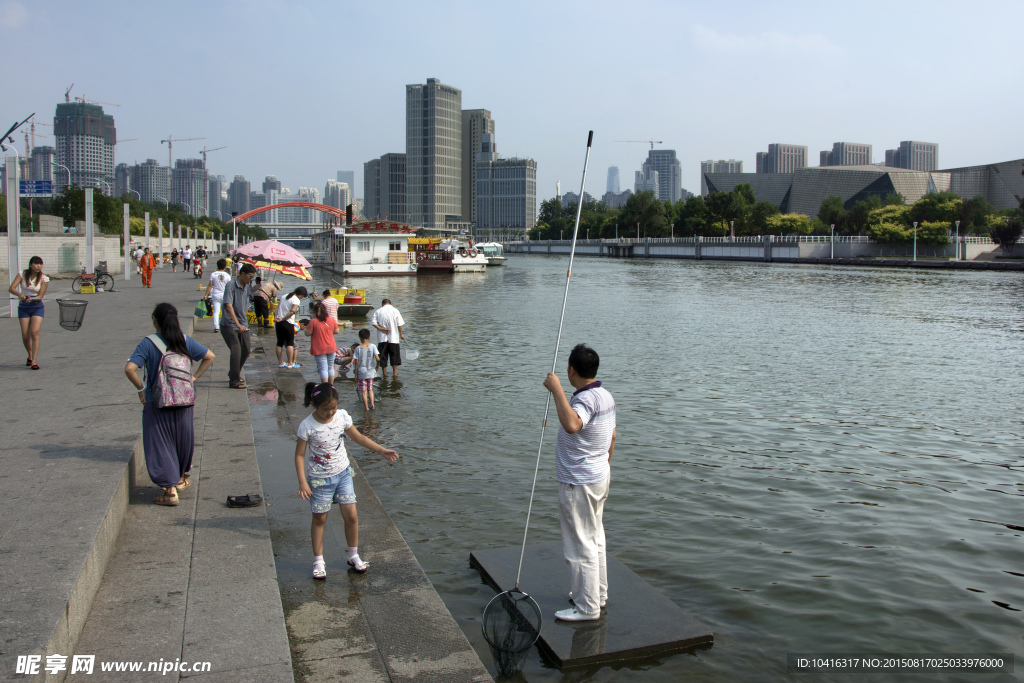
(511, 626)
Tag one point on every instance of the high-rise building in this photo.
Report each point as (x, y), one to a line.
(669, 170)
(570, 198)
(271, 183)
(41, 167)
(616, 200)
(506, 189)
(782, 158)
(337, 194)
(188, 185)
(371, 190)
(720, 166)
(150, 180)
(122, 178)
(257, 200)
(475, 124)
(646, 180)
(238, 195)
(613, 180)
(433, 145)
(292, 214)
(85, 144)
(348, 177)
(214, 192)
(846, 154)
(917, 156)
(393, 183)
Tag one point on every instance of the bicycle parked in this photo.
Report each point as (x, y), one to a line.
(101, 279)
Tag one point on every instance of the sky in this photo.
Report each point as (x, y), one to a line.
(302, 90)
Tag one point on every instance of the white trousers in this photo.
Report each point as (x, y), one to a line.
(581, 515)
(216, 313)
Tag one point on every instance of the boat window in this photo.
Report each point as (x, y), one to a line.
(363, 246)
(395, 246)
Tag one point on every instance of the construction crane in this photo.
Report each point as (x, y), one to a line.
(83, 101)
(126, 140)
(206, 185)
(644, 142)
(33, 128)
(67, 93)
(170, 145)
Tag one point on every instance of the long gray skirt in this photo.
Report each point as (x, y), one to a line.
(169, 439)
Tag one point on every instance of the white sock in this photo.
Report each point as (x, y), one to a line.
(318, 558)
(351, 552)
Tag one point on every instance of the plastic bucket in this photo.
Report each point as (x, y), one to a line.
(72, 313)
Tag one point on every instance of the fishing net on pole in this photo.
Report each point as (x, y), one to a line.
(511, 626)
(512, 619)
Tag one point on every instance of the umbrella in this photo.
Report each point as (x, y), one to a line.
(295, 271)
(271, 251)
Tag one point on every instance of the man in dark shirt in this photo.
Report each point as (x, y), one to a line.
(233, 322)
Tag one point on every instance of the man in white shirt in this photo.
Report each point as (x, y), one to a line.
(388, 323)
(137, 256)
(186, 257)
(218, 279)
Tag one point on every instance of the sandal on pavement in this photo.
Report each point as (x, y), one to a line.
(358, 565)
(240, 385)
(28, 363)
(283, 365)
(183, 484)
(167, 499)
(319, 569)
(35, 367)
(295, 365)
(244, 501)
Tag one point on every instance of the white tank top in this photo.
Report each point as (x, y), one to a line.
(32, 290)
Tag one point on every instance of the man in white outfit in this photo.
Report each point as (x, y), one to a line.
(388, 323)
(583, 454)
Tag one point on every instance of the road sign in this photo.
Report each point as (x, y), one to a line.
(35, 188)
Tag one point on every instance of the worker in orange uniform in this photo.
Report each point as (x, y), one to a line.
(148, 263)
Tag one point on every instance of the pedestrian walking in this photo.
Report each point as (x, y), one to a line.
(137, 258)
(214, 293)
(322, 346)
(284, 326)
(389, 323)
(174, 260)
(583, 454)
(324, 472)
(168, 436)
(30, 288)
(364, 358)
(147, 263)
(234, 327)
(186, 258)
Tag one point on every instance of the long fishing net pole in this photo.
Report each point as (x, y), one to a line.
(554, 361)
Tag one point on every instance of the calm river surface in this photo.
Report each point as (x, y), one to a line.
(809, 458)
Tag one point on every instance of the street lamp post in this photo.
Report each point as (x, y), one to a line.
(915, 240)
(167, 204)
(54, 163)
(188, 208)
(672, 232)
(833, 240)
(956, 245)
(136, 193)
(732, 232)
(638, 231)
(104, 182)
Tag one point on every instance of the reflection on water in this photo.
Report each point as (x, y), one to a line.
(809, 459)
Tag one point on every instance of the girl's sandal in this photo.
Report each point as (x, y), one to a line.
(167, 499)
(319, 569)
(358, 565)
(183, 484)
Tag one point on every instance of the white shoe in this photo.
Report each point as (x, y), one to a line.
(575, 615)
(358, 565)
(603, 602)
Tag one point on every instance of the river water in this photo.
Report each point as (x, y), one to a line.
(810, 459)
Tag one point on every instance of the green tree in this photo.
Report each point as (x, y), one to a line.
(973, 215)
(1007, 234)
(894, 200)
(858, 216)
(832, 213)
(936, 207)
(692, 217)
(645, 209)
(790, 224)
(761, 217)
(933, 232)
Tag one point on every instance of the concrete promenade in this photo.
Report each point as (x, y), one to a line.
(88, 565)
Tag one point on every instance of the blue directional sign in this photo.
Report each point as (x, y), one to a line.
(35, 188)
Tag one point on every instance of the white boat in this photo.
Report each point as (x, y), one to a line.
(366, 249)
(494, 252)
(465, 258)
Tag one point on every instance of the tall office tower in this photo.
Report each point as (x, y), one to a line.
(613, 180)
(433, 147)
(350, 178)
(291, 214)
(122, 178)
(85, 144)
(720, 166)
(271, 183)
(846, 154)
(188, 185)
(150, 180)
(42, 167)
(647, 179)
(337, 194)
(782, 158)
(917, 156)
(371, 190)
(475, 124)
(257, 200)
(214, 190)
(393, 184)
(506, 193)
(670, 172)
(238, 195)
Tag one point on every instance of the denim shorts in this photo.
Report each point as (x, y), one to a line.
(336, 489)
(27, 309)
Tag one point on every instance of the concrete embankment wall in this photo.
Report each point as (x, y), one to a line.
(767, 248)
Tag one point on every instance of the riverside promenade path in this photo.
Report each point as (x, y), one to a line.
(88, 565)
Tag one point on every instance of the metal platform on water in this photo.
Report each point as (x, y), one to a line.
(638, 622)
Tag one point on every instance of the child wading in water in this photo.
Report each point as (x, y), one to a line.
(364, 358)
(325, 476)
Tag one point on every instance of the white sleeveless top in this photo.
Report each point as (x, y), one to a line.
(32, 290)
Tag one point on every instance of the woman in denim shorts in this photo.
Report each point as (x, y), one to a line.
(325, 476)
(30, 288)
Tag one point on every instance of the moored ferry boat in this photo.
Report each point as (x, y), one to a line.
(465, 257)
(366, 248)
(351, 301)
(494, 252)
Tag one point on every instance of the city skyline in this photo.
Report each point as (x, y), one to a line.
(364, 114)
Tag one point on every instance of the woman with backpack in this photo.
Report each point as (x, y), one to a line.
(167, 397)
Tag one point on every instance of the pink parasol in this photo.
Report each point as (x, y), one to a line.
(271, 251)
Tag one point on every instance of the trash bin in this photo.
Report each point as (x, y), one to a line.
(72, 312)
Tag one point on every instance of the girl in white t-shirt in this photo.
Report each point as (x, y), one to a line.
(325, 476)
(215, 290)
